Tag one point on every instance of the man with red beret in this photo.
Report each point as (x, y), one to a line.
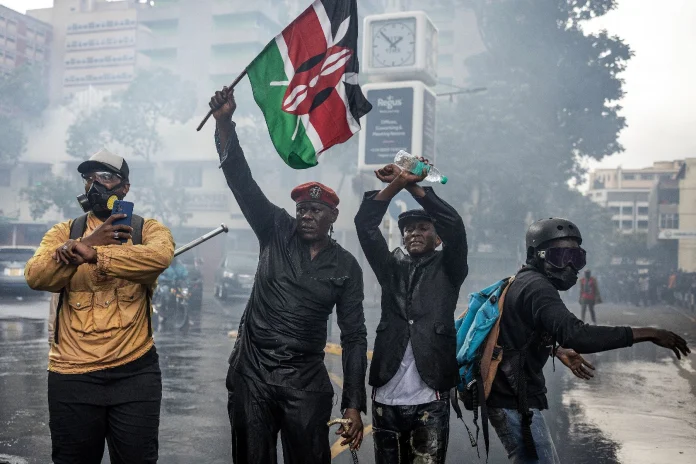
(277, 380)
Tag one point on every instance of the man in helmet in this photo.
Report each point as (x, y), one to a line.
(535, 320)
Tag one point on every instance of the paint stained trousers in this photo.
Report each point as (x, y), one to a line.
(411, 434)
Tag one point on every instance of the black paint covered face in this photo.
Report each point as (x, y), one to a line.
(314, 220)
(420, 238)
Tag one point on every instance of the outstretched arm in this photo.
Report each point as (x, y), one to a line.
(551, 314)
(259, 212)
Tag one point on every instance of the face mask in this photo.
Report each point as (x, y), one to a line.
(562, 279)
(100, 200)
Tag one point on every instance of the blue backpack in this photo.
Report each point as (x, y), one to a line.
(478, 354)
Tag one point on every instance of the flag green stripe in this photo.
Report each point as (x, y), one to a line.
(266, 68)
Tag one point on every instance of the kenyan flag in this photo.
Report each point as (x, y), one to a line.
(306, 82)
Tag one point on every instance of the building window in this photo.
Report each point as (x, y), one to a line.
(643, 211)
(627, 211)
(669, 221)
(642, 225)
(627, 225)
(647, 176)
(615, 210)
(629, 177)
(39, 174)
(188, 175)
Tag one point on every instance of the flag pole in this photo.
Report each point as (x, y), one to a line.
(212, 110)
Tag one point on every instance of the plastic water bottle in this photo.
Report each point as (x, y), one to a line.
(414, 165)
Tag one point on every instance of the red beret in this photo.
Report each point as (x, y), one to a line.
(314, 191)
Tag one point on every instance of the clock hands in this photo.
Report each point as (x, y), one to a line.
(392, 43)
(386, 38)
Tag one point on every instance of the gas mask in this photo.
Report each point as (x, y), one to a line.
(562, 279)
(100, 200)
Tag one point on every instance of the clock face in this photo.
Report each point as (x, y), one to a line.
(394, 43)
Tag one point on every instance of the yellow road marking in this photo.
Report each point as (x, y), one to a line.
(335, 349)
(337, 449)
(336, 379)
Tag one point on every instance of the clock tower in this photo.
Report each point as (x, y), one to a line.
(400, 60)
(400, 46)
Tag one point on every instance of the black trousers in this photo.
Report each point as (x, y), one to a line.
(120, 406)
(588, 305)
(407, 434)
(258, 412)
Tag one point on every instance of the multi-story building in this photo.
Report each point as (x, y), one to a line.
(207, 42)
(94, 45)
(626, 193)
(23, 40)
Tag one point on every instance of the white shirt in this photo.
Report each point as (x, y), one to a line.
(406, 388)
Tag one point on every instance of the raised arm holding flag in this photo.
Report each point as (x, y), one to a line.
(306, 83)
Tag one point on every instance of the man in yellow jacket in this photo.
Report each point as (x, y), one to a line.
(104, 381)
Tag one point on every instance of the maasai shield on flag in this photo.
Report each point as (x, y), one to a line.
(306, 82)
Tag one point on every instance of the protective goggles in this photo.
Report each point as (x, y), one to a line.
(561, 257)
(102, 177)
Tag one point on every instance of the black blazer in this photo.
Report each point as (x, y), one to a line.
(419, 296)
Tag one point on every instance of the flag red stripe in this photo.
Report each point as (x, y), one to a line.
(305, 38)
(329, 120)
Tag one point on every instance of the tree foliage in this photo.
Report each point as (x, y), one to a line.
(56, 192)
(131, 119)
(23, 98)
(552, 101)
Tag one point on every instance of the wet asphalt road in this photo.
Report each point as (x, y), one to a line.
(640, 408)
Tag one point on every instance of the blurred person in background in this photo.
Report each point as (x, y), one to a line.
(589, 295)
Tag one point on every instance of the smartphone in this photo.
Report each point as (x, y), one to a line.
(123, 207)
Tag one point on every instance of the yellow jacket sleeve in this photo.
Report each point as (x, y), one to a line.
(44, 273)
(140, 264)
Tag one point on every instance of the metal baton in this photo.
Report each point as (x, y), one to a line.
(199, 240)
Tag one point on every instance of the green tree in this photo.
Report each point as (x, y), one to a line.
(511, 152)
(130, 119)
(23, 98)
(56, 192)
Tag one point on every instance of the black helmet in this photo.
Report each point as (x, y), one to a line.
(544, 230)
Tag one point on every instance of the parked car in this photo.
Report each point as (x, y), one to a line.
(13, 260)
(235, 275)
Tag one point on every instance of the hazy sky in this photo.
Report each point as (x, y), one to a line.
(660, 104)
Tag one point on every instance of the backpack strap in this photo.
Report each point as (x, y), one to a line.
(489, 352)
(490, 360)
(77, 230)
(137, 224)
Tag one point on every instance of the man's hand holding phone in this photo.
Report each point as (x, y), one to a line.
(106, 234)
